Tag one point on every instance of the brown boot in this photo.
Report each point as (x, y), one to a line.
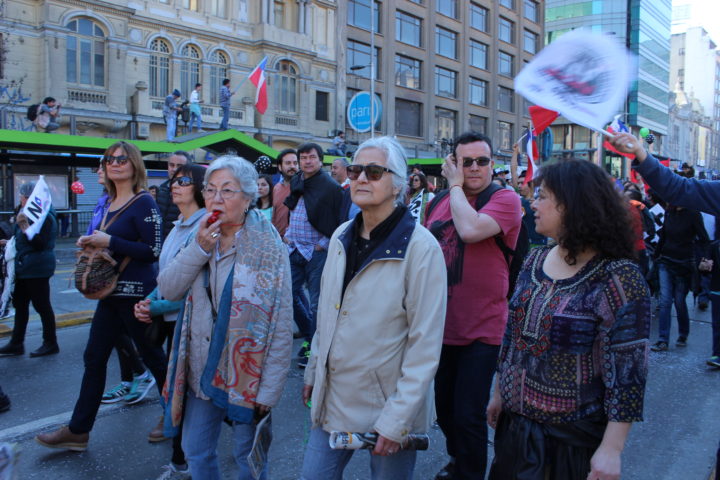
(65, 439)
(156, 434)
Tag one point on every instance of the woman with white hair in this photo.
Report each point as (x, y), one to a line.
(380, 324)
(233, 339)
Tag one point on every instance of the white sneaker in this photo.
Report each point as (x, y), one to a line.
(171, 472)
(140, 387)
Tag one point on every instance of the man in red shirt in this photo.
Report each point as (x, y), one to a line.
(466, 222)
(287, 164)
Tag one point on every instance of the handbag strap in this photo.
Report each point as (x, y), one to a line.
(104, 227)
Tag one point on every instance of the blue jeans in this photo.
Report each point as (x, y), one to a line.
(323, 463)
(673, 289)
(715, 299)
(226, 118)
(201, 429)
(171, 121)
(306, 272)
(197, 118)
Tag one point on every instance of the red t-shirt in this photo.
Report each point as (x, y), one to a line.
(477, 272)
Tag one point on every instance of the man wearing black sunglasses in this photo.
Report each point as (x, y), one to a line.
(466, 220)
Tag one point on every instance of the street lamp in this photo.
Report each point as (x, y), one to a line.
(372, 68)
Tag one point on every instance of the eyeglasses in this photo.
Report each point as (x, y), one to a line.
(120, 159)
(481, 162)
(372, 172)
(225, 193)
(182, 181)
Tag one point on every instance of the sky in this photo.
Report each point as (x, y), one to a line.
(704, 13)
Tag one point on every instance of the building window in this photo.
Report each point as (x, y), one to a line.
(506, 100)
(218, 72)
(358, 55)
(478, 17)
(408, 29)
(322, 102)
(286, 87)
(446, 121)
(531, 9)
(408, 72)
(446, 7)
(85, 53)
(505, 135)
(478, 91)
(478, 124)
(189, 69)
(508, 4)
(506, 30)
(445, 42)
(408, 118)
(530, 41)
(505, 64)
(445, 82)
(190, 5)
(218, 8)
(359, 14)
(478, 54)
(159, 68)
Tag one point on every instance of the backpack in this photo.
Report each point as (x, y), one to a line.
(514, 258)
(96, 271)
(32, 112)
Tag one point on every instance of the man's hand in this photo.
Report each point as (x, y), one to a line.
(306, 394)
(453, 172)
(626, 143)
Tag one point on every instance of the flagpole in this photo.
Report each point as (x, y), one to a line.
(520, 139)
(240, 85)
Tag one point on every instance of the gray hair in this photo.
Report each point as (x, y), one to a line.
(395, 158)
(343, 161)
(243, 171)
(26, 189)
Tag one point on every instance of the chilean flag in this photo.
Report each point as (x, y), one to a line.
(617, 126)
(541, 118)
(257, 77)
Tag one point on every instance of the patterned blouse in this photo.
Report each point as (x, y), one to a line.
(576, 346)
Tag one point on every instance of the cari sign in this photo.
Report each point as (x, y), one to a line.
(358, 112)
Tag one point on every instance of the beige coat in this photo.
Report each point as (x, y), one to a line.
(376, 350)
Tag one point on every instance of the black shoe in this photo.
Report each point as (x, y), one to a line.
(659, 347)
(46, 349)
(4, 403)
(12, 349)
(703, 306)
(447, 472)
(681, 341)
(302, 362)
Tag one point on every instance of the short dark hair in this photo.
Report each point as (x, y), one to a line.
(48, 100)
(308, 147)
(595, 214)
(198, 85)
(183, 153)
(226, 81)
(471, 137)
(197, 173)
(282, 154)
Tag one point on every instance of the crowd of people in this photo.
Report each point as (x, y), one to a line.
(522, 304)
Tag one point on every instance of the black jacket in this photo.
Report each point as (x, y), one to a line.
(323, 201)
(168, 210)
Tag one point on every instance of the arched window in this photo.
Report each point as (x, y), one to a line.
(218, 71)
(286, 87)
(189, 69)
(159, 68)
(85, 53)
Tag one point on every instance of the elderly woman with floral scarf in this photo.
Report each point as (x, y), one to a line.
(232, 347)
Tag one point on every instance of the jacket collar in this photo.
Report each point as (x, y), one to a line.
(394, 247)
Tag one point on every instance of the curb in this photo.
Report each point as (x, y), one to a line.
(61, 321)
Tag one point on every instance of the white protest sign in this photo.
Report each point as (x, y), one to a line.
(583, 75)
(37, 207)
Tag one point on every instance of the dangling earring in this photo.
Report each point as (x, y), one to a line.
(246, 210)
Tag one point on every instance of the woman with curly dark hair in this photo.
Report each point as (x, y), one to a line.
(418, 196)
(573, 363)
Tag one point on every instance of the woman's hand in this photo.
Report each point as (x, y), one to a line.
(605, 464)
(385, 447)
(97, 239)
(306, 394)
(142, 311)
(493, 409)
(208, 236)
(452, 172)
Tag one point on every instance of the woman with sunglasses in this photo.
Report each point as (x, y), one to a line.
(380, 324)
(419, 196)
(232, 345)
(573, 362)
(186, 190)
(135, 233)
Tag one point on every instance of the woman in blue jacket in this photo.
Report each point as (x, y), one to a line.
(34, 265)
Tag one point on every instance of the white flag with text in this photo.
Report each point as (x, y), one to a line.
(37, 207)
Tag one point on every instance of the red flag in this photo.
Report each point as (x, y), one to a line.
(541, 118)
(531, 150)
(257, 77)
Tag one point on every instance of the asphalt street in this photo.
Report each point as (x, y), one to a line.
(677, 440)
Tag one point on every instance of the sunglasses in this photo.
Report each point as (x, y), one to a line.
(182, 181)
(372, 172)
(120, 159)
(481, 162)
